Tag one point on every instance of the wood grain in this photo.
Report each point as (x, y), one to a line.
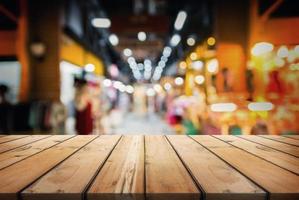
(20, 153)
(11, 138)
(166, 176)
(280, 183)
(18, 176)
(273, 144)
(296, 137)
(208, 169)
(21, 142)
(122, 176)
(69, 179)
(282, 139)
(279, 158)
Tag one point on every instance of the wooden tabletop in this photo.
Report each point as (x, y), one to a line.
(149, 167)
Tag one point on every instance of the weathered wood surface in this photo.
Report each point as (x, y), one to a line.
(279, 146)
(281, 183)
(149, 167)
(278, 138)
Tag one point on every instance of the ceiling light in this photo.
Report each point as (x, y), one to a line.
(175, 40)
(197, 65)
(283, 52)
(211, 41)
(167, 86)
(260, 106)
(191, 41)
(213, 65)
(180, 20)
(129, 89)
(127, 52)
(89, 67)
(179, 81)
(261, 48)
(193, 56)
(167, 51)
(107, 82)
(183, 65)
(199, 79)
(141, 36)
(223, 107)
(113, 39)
(101, 22)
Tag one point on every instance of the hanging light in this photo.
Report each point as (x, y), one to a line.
(223, 107)
(113, 39)
(180, 20)
(179, 81)
(212, 65)
(283, 52)
(175, 40)
(101, 22)
(261, 48)
(199, 79)
(141, 36)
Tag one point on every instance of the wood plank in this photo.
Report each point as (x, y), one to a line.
(20, 175)
(282, 139)
(280, 183)
(10, 157)
(122, 176)
(214, 176)
(69, 179)
(166, 176)
(286, 148)
(11, 138)
(296, 137)
(21, 142)
(279, 158)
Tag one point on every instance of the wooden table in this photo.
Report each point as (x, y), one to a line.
(149, 167)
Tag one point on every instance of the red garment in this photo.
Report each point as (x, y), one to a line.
(84, 125)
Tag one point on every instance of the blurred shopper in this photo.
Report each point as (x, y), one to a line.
(83, 108)
(3, 92)
(210, 128)
(190, 128)
(58, 118)
(260, 128)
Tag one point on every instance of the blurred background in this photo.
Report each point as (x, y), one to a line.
(149, 67)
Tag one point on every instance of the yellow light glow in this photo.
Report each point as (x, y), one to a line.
(179, 81)
(193, 56)
(183, 65)
(211, 41)
(261, 48)
(199, 79)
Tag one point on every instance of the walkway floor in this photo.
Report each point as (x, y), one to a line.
(133, 124)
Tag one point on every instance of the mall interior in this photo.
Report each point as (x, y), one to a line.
(192, 67)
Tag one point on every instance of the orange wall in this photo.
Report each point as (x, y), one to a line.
(231, 56)
(7, 43)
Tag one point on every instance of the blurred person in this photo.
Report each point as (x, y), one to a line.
(190, 128)
(210, 128)
(83, 108)
(260, 128)
(58, 116)
(3, 92)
